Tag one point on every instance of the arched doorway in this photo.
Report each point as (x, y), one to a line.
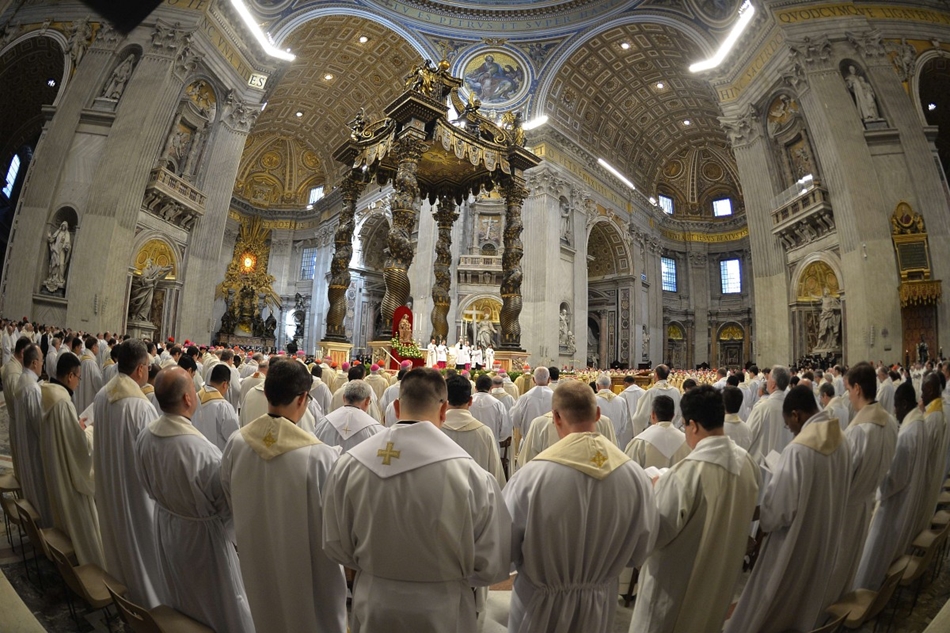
(32, 69)
(609, 288)
(481, 320)
(730, 340)
(676, 352)
(934, 92)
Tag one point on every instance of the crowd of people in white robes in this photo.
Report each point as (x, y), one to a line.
(240, 493)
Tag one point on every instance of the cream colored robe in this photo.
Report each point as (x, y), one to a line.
(581, 511)
(614, 407)
(446, 530)
(67, 459)
(346, 427)
(705, 505)
(476, 439)
(29, 419)
(274, 476)
(543, 435)
(215, 418)
(641, 419)
(491, 412)
(378, 384)
(738, 431)
(769, 432)
(373, 410)
(11, 376)
(90, 382)
(802, 511)
(661, 446)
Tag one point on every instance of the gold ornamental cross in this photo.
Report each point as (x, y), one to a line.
(387, 454)
(599, 459)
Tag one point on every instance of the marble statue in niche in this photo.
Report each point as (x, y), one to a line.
(567, 230)
(119, 79)
(829, 323)
(863, 95)
(143, 290)
(60, 246)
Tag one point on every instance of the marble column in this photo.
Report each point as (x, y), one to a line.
(699, 272)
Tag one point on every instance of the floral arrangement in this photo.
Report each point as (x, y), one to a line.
(409, 350)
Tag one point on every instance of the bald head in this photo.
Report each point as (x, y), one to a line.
(175, 392)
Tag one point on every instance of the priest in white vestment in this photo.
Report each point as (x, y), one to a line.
(356, 372)
(274, 476)
(769, 432)
(802, 511)
(872, 438)
(469, 432)
(181, 470)
(234, 393)
(126, 512)
(67, 460)
(10, 376)
(631, 395)
(582, 490)
(532, 404)
(52, 356)
(542, 435)
(885, 390)
(662, 445)
(255, 379)
(377, 381)
(350, 424)
(489, 410)
(733, 400)
(615, 408)
(446, 526)
(29, 419)
(250, 367)
(320, 392)
(705, 507)
(903, 495)
(938, 438)
(501, 394)
(215, 418)
(255, 405)
(10, 336)
(91, 381)
(837, 406)
(641, 418)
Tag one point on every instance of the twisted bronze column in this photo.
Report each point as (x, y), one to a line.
(445, 216)
(351, 188)
(407, 151)
(515, 193)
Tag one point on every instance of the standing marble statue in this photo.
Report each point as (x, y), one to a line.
(829, 322)
(863, 95)
(80, 36)
(564, 327)
(60, 246)
(645, 345)
(485, 335)
(143, 289)
(119, 79)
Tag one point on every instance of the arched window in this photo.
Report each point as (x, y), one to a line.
(11, 175)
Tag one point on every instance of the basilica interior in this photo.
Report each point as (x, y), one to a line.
(681, 181)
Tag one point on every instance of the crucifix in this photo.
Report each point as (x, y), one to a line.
(473, 313)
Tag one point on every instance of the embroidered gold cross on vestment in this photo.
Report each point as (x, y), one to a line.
(387, 454)
(599, 459)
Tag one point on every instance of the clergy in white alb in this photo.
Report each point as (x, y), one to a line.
(769, 432)
(10, 376)
(249, 367)
(255, 379)
(938, 438)
(126, 512)
(255, 405)
(631, 395)
(392, 391)
(872, 438)
(802, 511)
(662, 445)
(67, 459)
(581, 511)
(837, 406)
(274, 476)
(615, 408)
(52, 356)
(181, 470)
(489, 410)
(733, 426)
(705, 506)
(542, 435)
(885, 389)
(341, 376)
(320, 392)
(534, 403)
(350, 424)
(234, 394)
(501, 394)
(476, 438)
(641, 418)
(91, 381)
(215, 418)
(446, 526)
(377, 381)
(29, 419)
(357, 372)
(902, 496)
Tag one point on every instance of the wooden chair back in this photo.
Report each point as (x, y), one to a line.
(137, 618)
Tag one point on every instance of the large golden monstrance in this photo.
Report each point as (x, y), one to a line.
(427, 156)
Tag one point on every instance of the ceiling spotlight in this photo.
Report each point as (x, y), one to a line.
(328, 76)
(533, 123)
(363, 39)
(52, 84)
(687, 122)
(746, 11)
(660, 85)
(613, 170)
(263, 105)
(652, 200)
(930, 106)
(625, 45)
(299, 114)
